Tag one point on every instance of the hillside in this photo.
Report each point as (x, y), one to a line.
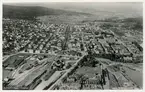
(31, 12)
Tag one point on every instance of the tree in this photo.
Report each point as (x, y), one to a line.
(82, 81)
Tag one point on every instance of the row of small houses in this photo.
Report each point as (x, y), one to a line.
(126, 58)
(54, 51)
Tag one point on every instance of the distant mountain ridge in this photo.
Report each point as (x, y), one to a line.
(101, 9)
(29, 12)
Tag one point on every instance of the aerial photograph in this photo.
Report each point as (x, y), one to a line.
(72, 46)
